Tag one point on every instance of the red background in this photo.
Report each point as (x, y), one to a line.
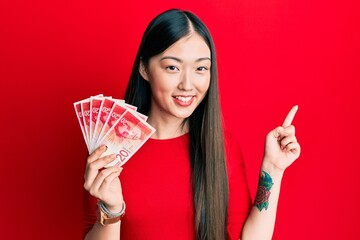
(272, 55)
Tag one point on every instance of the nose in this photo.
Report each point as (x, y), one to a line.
(185, 82)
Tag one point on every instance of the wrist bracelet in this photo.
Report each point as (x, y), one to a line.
(109, 213)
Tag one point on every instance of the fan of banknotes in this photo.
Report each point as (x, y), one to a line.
(109, 121)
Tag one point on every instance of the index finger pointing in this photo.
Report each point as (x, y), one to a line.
(289, 118)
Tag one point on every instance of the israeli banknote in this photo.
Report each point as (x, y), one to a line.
(109, 121)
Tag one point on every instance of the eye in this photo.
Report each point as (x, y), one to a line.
(202, 69)
(172, 68)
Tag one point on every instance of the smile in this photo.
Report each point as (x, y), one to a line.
(184, 101)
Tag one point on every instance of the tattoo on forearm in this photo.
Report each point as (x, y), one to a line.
(263, 192)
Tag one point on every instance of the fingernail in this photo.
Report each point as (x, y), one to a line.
(103, 147)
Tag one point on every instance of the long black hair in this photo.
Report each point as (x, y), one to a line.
(207, 154)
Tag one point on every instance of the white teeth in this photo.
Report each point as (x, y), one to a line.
(183, 99)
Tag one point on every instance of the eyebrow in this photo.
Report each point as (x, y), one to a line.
(179, 60)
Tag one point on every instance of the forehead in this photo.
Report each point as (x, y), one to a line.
(190, 47)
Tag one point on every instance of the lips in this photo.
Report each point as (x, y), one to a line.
(184, 101)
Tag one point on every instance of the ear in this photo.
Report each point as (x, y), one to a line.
(143, 71)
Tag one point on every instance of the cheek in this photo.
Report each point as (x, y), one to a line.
(160, 87)
(159, 90)
(159, 81)
(204, 84)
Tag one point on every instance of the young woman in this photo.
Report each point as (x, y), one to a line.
(188, 180)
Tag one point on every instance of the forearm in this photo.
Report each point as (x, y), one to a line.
(108, 232)
(261, 220)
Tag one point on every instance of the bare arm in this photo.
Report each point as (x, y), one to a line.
(108, 232)
(104, 184)
(281, 150)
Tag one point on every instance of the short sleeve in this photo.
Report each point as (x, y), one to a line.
(239, 194)
(89, 212)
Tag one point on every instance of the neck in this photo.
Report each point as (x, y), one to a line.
(166, 129)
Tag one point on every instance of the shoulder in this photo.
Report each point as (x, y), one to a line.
(228, 137)
(232, 144)
(234, 156)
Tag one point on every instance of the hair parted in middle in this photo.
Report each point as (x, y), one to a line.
(207, 154)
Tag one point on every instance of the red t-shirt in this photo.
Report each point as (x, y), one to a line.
(157, 190)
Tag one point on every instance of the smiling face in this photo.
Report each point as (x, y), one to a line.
(179, 78)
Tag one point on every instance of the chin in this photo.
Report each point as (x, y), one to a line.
(184, 115)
